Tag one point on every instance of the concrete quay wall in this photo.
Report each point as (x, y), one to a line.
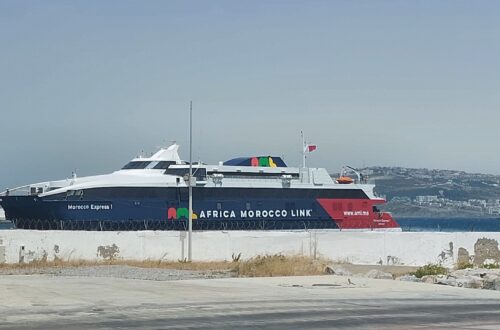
(371, 247)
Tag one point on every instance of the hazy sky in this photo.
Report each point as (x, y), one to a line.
(87, 85)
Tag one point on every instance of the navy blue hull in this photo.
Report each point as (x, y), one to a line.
(166, 209)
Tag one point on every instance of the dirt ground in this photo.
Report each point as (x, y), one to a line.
(395, 270)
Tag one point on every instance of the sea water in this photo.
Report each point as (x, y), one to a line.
(449, 224)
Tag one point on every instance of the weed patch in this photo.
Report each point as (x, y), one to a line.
(464, 265)
(491, 266)
(430, 269)
(279, 265)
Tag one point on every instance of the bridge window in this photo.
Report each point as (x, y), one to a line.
(136, 165)
(163, 165)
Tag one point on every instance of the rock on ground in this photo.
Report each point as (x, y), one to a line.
(378, 274)
(337, 271)
(409, 278)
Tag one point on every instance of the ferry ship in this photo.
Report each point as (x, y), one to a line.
(246, 193)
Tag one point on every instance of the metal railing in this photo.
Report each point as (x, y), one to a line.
(18, 191)
(175, 225)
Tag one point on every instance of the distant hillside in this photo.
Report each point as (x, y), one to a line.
(424, 192)
(410, 182)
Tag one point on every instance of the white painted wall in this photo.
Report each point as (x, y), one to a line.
(408, 248)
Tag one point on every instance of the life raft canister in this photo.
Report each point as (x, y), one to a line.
(345, 180)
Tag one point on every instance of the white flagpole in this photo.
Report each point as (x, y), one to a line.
(190, 217)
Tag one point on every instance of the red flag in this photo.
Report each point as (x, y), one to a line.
(310, 147)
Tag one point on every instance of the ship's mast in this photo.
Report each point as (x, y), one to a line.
(303, 150)
(304, 176)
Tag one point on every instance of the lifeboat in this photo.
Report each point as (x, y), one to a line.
(345, 180)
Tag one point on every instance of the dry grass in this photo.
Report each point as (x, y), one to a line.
(51, 264)
(279, 265)
(58, 263)
(268, 265)
(260, 266)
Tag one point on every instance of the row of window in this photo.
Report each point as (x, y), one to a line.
(339, 206)
(139, 165)
(254, 205)
(181, 193)
(199, 173)
(254, 174)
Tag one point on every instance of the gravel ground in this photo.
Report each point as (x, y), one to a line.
(166, 274)
(120, 271)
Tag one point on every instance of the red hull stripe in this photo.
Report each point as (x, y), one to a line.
(357, 213)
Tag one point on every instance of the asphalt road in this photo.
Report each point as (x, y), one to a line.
(47, 302)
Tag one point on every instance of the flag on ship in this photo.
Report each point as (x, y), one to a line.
(310, 148)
